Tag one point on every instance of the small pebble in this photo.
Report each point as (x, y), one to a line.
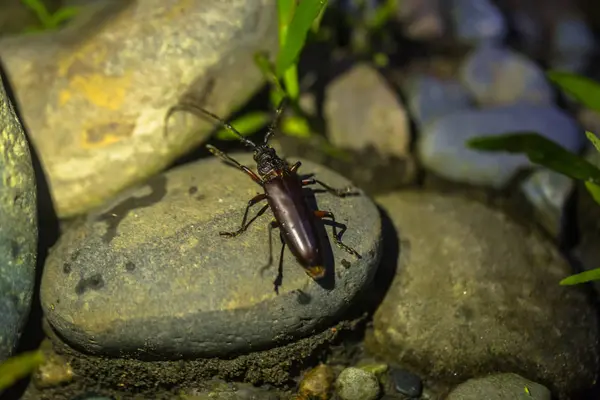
(407, 383)
(317, 383)
(376, 369)
(54, 371)
(357, 384)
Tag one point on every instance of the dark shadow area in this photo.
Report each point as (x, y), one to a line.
(328, 281)
(48, 233)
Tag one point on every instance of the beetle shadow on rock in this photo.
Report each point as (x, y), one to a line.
(323, 226)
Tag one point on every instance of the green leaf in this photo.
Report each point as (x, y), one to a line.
(247, 124)
(586, 276)
(290, 78)
(266, 67)
(18, 367)
(285, 12)
(594, 191)
(541, 151)
(383, 14)
(38, 7)
(594, 139)
(295, 126)
(584, 90)
(64, 14)
(306, 12)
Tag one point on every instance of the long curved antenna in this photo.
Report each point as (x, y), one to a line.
(275, 121)
(194, 109)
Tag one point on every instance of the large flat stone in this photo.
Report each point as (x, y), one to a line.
(149, 275)
(95, 94)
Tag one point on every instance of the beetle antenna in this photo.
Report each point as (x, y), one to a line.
(229, 127)
(193, 108)
(275, 121)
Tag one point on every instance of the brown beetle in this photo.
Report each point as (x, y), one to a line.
(283, 191)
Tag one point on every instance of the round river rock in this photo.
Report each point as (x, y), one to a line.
(476, 293)
(149, 275)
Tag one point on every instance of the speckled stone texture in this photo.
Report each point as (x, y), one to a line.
(149, 275)
(18, 227)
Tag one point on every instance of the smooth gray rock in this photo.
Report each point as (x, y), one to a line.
(573, 45)
(422, 19)
(498, 76)
(18, 227)
(357, 384)
(430, 97)
(549, 191)
(475, 293)
(376, 117)
(477, 21)
(500, 387)
(149, 275)
(442, 145)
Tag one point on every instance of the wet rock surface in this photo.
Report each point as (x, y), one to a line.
(148, 275)
(376, 117)
(474, 293)
(499, 76)
(442, 146)
(19, 228)
(94, 95)
(500, 387)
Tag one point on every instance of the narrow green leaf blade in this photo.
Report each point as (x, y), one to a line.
(306, 12)
(18, 367)
(295, 126)
(541, 151)
(247, 124)
(268, 70)
(586, 276)
(584, 90)
(594, 191)
(594, 139)
(64, 14)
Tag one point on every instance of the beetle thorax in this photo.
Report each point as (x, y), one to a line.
(267, 160)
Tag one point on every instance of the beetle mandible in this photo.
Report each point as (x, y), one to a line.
(282, 188)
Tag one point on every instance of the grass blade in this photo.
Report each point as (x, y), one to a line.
(540, 151)
(594, 191)
(583, 277)
(306, 12)
(247, 124)
(594, 139)
(18, 367)
(584, 90)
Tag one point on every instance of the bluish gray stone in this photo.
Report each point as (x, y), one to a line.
(443, 149)
(477, 21)
(499, 76)
(18, 227)
(150, 274)
(430, 97)
(549, 191)
(572, 45)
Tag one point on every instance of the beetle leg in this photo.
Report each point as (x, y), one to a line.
(296, 166)
(279, 278)
(236, 164)
(273, 224)
(337, 192)
(329, 214)
(245, 226)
